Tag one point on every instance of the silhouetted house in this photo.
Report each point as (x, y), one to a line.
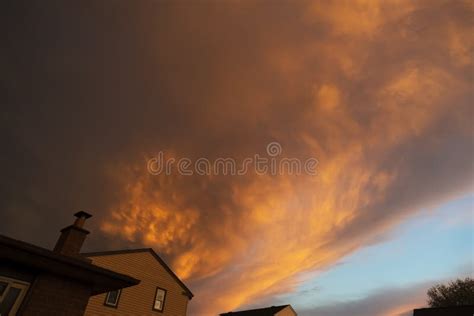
(283, 310)
(38, 281)
(160, 291)
(467, 310)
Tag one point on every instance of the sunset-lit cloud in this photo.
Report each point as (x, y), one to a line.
(379, 92)
(267, 230)
(384, 302)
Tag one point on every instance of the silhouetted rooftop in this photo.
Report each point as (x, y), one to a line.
(35, 258)
(267, 311)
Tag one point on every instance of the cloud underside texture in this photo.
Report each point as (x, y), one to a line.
(380, 93)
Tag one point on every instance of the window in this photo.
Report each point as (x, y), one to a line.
(160, 296)
(3, 287)
(12, 293)
(112, 298)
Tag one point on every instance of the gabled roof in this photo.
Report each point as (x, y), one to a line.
(34, 258)
(187, 291)
(267, 311)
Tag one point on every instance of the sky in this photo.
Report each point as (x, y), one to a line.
(379, 92)
(392, 276)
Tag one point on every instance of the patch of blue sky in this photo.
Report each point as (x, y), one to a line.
(432, 245)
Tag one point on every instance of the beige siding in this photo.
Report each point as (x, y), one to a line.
(138, 300)
(288, 311)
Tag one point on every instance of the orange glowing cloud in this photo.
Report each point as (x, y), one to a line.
(379, 92)
(343, 82)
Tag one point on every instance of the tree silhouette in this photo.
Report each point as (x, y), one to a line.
(457, 293)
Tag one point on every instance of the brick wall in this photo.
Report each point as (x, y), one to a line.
(53, 295)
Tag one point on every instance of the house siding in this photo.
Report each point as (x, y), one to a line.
(138, 299)
(286, 312)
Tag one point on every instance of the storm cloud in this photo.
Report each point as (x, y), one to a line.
(380, 93)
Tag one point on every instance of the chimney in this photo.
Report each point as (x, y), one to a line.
(73, 236)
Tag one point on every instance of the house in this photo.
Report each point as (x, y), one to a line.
(282, 310)
(160, 292)
(64, 281)
(37, 281)
(466, 310)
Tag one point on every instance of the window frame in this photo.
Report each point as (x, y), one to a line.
(162, 303)
(118, 299)
(23, 286)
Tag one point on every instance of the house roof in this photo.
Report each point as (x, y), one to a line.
(267, 311)
(39, 260)
(187, 291)
(445, 311)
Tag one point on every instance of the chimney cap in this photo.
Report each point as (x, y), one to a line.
(82, 214)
